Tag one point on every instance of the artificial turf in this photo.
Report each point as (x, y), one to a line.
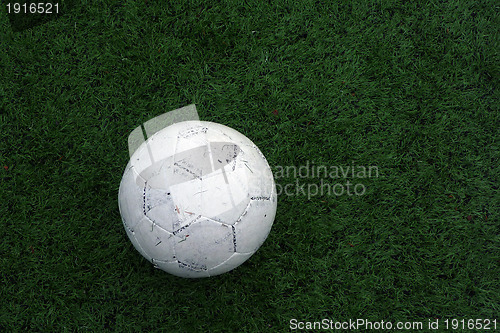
(408, 87)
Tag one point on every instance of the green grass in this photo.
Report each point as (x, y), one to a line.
(411, 88)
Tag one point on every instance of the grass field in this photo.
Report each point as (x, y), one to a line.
(410, 88)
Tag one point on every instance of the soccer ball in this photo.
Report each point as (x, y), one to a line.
(197, 199)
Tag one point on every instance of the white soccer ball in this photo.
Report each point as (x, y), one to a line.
(197, 199)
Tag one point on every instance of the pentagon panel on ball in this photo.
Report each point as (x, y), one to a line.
(197, 199)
